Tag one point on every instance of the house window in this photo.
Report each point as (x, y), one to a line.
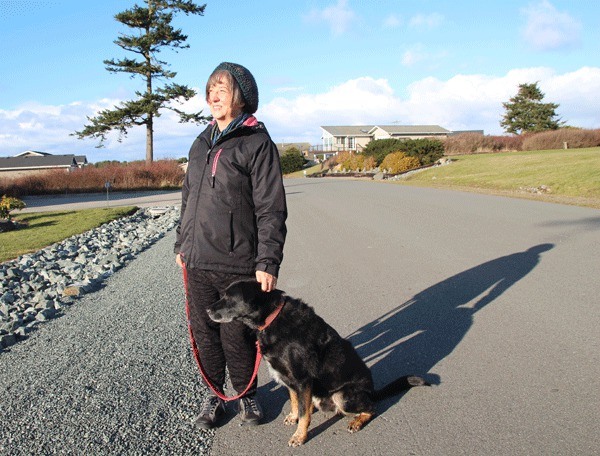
(350, 142)
(340, 141)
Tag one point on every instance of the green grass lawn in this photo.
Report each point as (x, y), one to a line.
(309, 171)
(572, 176)
(46, 228)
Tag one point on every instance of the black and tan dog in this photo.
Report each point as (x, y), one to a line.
(306, 355)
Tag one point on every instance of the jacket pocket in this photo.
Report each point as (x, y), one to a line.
(241, 239)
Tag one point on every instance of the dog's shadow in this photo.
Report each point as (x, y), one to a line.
(419, 333)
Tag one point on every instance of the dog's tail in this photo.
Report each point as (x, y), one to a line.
(399, 385)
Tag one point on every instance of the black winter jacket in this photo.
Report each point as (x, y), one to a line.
(233, 207)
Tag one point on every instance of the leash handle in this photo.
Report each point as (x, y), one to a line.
(197, 353)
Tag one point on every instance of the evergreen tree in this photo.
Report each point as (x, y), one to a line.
(154, 32)
(292, 160)
(525, 112)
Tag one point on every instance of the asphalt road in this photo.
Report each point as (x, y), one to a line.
(90, 200)
(494, 299)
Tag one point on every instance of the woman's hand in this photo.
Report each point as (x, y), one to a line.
(268, 282)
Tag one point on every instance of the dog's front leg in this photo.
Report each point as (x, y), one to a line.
(305, 408)
(292, 417)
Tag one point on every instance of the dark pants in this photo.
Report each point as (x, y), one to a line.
(219, 345)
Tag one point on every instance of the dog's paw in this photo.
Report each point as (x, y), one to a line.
(297, 440)
(353, 427)
(359, 422)
(290, 420)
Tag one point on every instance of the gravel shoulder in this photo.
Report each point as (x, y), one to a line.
(110, 376)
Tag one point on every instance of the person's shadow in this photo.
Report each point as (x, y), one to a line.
(419, 333)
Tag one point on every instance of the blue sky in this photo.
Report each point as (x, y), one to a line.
(331, 62)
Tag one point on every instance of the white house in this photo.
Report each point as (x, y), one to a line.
(355, 138)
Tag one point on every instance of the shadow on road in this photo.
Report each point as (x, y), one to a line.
(416, 335)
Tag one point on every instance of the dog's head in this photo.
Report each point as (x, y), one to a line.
(244, 301)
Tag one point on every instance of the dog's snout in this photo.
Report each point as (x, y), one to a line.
(218, 315)
(212, 314)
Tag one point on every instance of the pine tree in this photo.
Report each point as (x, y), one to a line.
(154, 33)
(525, 112)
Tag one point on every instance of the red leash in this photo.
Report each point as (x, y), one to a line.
(197, 355)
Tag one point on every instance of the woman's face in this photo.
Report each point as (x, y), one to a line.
(220, 102)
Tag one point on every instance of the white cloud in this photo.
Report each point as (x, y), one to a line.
(411, 57)
(392, 21)
(459, 103)
(547, 29)
(462, 102)
(30, 125)
(339, 17)
(414, 55)
(418, 54)
(578, 94)
(48, 128)
(429, 21)
(288, 89)
(360, 100)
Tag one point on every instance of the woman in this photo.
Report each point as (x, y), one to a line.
(232, 227)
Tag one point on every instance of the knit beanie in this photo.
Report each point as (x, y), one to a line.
(246, 82)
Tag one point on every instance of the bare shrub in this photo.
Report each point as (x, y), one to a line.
(574, 138)
(474, 143)
(506, 143)
(161, 174)
(333, 160)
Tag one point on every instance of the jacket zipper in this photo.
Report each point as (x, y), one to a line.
(214, 167)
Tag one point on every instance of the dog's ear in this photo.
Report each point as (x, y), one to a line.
(251, 290)
(253, 293)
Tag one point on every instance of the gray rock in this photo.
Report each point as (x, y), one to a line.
(45, 314)
(6, 340)
(38, 286)
(8, 298)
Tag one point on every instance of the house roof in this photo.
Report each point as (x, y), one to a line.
(35, 161)
(392, 130)
(349, 130)
(35, 153)
(413, 129)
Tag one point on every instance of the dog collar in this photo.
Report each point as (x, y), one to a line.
(272, 316)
